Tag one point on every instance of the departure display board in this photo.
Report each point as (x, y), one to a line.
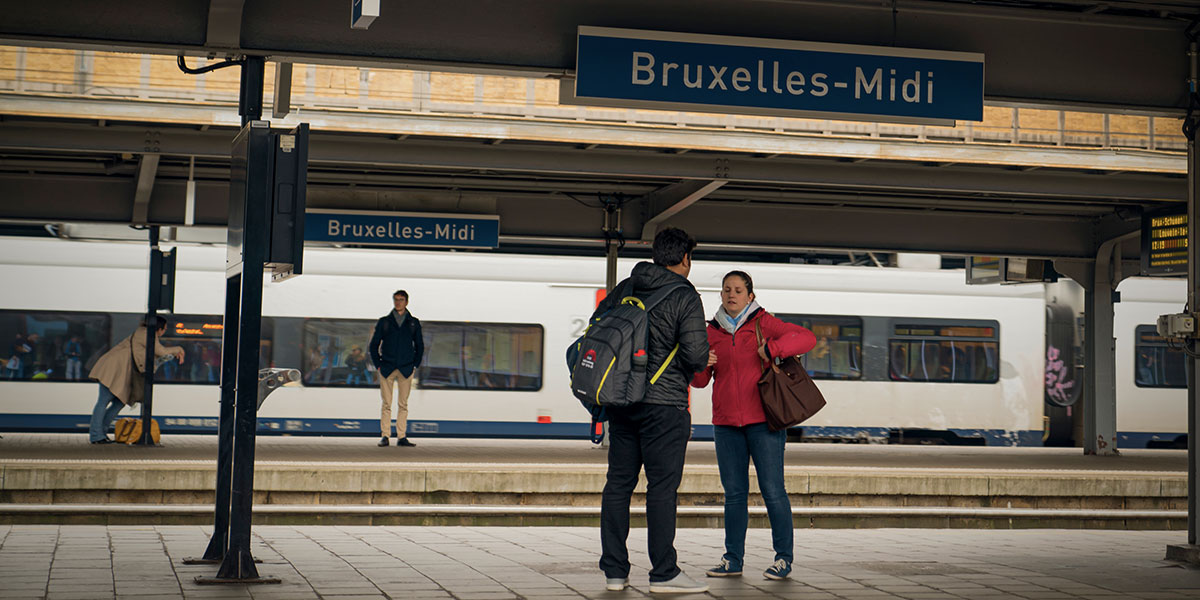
(1164, 242)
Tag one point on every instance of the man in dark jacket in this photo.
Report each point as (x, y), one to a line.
(655, 431)
(396, 350)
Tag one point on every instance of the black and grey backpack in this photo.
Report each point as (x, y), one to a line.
(608, 363)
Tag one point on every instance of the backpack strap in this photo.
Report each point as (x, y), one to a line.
(650, 303)
(658, 296)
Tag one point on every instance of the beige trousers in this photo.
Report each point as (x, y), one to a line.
(402, 385)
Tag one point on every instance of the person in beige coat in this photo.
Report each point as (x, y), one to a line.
(114, 372)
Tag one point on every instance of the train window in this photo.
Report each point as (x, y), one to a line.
(51, 346)
(838, 353)
(335, 353)
(481, 356)
(200, 337)
(950, 352)
(1159, 364)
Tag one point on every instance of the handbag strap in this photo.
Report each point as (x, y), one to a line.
(758, 335)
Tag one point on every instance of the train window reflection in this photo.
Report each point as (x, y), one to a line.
(335, 353)
(51, 346)
(200, 337)
(481, 356)
(1159, 364)
(944, 352)
(838, 353)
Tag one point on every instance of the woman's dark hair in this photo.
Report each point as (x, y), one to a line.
(400, 293)
(671, 245)
(745, 278)
(159, 322)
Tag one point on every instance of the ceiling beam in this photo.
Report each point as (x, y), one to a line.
(842, 144)
(282, 104)
(880, 228)
(144, 187)
(617, 163)
(224, 24)
(664, 203)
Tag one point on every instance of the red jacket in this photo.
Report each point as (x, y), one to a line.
(735, 399)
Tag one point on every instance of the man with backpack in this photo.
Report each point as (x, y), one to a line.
(654, 432)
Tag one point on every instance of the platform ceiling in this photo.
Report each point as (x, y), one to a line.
(1118, 56)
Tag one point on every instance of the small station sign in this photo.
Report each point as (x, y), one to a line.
(711, 73)
(431, 230)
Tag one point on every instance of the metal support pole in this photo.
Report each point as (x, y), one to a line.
(1193, 363)
(238, 562)
(250, 199)
(229, 335)
(612, 231)
(1191, 551)
(610, 274)
(1193, 295)
(151, 334)
(245, 278)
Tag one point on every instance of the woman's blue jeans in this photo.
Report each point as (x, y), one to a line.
(735, 447)
(107, 407)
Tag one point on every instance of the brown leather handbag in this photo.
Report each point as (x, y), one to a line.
(789, 395)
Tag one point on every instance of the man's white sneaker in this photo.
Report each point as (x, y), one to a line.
(616, 584)
(680, 584)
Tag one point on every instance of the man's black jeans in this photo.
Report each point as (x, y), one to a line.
(655, 436)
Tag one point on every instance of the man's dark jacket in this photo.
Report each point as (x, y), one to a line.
(679, 318)
(397, 347)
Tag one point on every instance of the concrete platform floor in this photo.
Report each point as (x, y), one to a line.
(484, 563)
(310, 450)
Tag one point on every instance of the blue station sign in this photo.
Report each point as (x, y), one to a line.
(711, 73)
(431, 230)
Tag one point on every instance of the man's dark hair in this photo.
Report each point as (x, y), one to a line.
(671, 245)
(400, 293)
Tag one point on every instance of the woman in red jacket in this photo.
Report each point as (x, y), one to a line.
(736, 361)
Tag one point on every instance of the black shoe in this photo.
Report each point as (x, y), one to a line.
(383, 442)
(103, 441)
(404, 442)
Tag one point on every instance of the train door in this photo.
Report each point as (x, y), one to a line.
(1063, 385)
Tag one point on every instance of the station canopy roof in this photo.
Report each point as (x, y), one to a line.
(1113, 57)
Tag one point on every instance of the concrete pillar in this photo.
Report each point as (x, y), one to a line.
(1099, 398)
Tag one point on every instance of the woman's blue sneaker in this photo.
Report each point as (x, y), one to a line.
(725, 569)
(780, 570)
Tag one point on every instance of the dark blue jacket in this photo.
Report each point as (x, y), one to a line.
(397, 347)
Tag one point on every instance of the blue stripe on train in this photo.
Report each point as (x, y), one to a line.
(500, 429)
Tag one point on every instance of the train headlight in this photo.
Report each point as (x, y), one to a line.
(270, 380)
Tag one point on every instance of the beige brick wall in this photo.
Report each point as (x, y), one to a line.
(504, 90)
(545, 92)
(122, 73)
(115, 70)
(8, 62)
(1043, 120)
(335, 82)
(50, 65)
(390, 85)
(1080, 122)
(165, 74)
(452, 87)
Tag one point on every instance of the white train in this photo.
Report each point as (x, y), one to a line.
(904, 355)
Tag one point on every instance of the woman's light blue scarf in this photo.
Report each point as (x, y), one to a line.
(732, 323)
